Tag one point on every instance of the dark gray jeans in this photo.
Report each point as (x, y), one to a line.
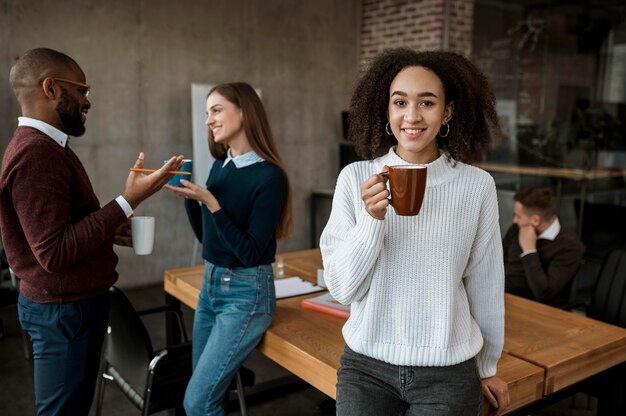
(367, 386)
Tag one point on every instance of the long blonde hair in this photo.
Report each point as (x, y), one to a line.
(259, 135)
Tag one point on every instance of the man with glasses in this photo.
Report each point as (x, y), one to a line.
(57, 237)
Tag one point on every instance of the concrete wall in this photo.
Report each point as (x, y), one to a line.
(142, 56)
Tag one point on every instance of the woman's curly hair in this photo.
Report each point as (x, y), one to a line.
(473, 121)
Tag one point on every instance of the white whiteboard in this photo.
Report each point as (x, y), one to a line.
(202, 159)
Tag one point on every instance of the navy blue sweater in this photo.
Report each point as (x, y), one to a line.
(243, 232)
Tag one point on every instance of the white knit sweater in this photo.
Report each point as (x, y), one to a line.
(426, 290)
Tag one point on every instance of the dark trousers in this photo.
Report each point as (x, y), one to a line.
(367, 386)
(67, 342)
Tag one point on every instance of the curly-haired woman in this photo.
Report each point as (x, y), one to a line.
(426, 292)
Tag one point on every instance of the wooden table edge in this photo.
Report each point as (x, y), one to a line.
(296, 361)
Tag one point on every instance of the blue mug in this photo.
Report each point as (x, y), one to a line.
(187, 167)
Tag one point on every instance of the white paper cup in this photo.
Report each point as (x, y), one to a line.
(142, 230)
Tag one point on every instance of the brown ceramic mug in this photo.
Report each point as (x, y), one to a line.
(407, 184)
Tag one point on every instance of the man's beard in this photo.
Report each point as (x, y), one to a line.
(70, 114)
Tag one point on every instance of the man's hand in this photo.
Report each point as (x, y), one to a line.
(139, 186)
(527, 238)
(497, 393)
(375, 195)
(122, 235)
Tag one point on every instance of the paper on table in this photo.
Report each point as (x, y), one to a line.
(294, 286)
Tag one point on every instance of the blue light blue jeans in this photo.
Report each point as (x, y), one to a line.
(235, 307)
(366, 386)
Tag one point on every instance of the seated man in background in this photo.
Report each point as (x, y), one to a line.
(540, 257)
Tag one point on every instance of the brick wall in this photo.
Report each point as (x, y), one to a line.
(461, 26)
(416, 24)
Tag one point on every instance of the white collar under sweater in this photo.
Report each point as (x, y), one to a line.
(426, 290)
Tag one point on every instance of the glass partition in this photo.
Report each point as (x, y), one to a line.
(559, 72)
(558, 69)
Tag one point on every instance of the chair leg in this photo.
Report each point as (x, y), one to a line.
(241, 395)
(101, 384)
(100, 394)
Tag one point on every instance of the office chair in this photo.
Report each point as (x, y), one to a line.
(8, 297)
(608, 304)
(152, 380)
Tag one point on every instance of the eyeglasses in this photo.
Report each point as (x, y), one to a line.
(85, 87)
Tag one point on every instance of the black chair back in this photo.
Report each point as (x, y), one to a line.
(609, 299)
(152, 380)
(128, 346)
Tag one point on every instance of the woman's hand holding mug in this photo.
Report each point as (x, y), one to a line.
(375, 195)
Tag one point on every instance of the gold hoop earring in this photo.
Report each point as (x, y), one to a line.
(447, 131)
(387, 126)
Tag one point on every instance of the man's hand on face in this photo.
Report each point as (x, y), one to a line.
(527, 237)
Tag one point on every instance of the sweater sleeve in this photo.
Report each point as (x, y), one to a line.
(194, 214)
(546, 284)
(351, 241)
(249, 244)
(41, 192)
(484, 283)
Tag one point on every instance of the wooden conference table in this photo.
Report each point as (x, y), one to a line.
(546, 349)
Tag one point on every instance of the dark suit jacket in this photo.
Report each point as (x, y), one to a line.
(545, 276)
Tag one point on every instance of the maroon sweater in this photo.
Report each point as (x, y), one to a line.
(57, 239)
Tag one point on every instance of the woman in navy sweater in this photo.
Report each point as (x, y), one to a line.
(244, 209)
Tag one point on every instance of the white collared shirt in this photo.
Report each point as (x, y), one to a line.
(241, 161)
(51, 131)
(61, 138)
(552, 231)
